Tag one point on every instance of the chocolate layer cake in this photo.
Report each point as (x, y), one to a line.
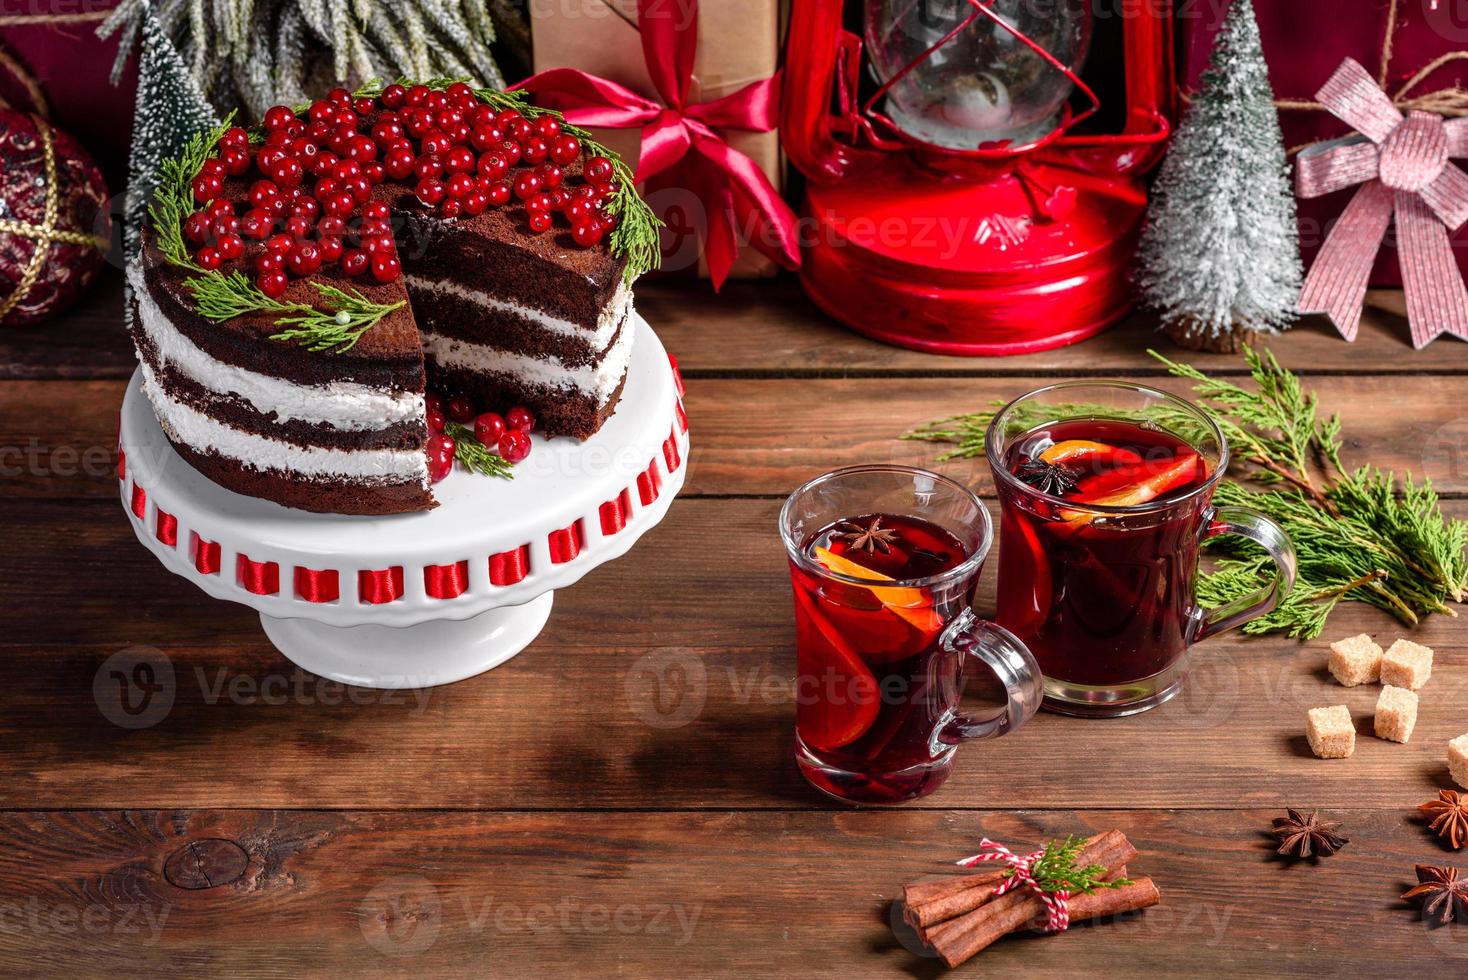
(482, 299)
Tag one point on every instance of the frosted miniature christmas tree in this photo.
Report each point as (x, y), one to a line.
(1219, 257)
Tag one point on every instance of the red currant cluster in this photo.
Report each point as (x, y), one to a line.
(312, 203)
(508, 434)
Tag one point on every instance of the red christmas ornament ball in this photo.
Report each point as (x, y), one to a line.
(54, 220)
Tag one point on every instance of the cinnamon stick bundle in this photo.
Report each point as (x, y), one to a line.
(960, 917)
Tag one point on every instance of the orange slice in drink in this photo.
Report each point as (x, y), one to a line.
(1129, 486)
(1088, 451)
(911, 604)
(829, 723)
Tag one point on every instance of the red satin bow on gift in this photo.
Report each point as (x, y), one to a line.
(1403, 162)
(677, 134)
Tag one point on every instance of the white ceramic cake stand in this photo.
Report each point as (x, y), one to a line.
(506, 543)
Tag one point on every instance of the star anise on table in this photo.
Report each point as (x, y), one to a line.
(1051, 478)
(1444, 895)
(872, 539)
(1302, 836)
(1449, 816)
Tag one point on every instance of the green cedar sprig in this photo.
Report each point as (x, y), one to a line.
(1363, 535)
(636, 235)
(1056, 871)
(474, 455)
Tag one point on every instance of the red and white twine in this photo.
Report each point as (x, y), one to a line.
(1057, 904)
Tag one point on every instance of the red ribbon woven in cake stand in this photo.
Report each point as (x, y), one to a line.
(318, 584)
(1057, 904)
(380, 585)
(446, 581)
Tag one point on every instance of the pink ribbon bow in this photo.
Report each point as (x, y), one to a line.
(1403, 168)
(1057, 904)
(682, 135)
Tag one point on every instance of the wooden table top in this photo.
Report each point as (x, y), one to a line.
(621, 798)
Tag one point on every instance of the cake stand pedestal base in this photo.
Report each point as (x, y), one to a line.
(439, 651)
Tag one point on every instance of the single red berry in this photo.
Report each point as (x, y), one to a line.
(270, 262)
(436, 141)
(514, 446)
(236, 160)
(321, 111)
(435, 418)
(519, 129)
(587, 233)
(262, 192)
(213, 166)
(359, 187)
(400, 162)
(559, 198)
(287, 172)
(417, 94)
(460, 159)
(526, 183)
(345, 170)
(385, 266)
(331, 249)
(448, 117)
(387, 132)
(460, 185)
(537, 150)
(484, 138)
(323, 163)
(230, 245)
(489, 427)
(355, 262)
(374, 228)
(280, 242)
(340, 204)
(361, 148)
(493, 166)
(225, 224)
(539, 221)
(431, 191)
(304, 259)
(219, 208)
(373, 244)
(256, 224)
(565, 148)
(339, 96)
(599, 171)
(236, 137)
(520, 419)
(452, 207)
(376, 209)
(460, 90)
(440, 450)
(476, 202)
(198, 227)
(299, 226)
(306, 207)
(428, 167)
(499, 193)
(432, 400)
(539, 201)
(550, 175)
(326, 188)
(394, 96)
(209, 258)
(278, 117)
(548, 126)
(269, 156)
(206, 187)
(461, 409)
(374, 172)
(272, 284)
(510, 150)
(331, 226)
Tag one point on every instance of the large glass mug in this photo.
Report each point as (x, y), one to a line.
(882, 666)
(983, 84)
(1104, 596)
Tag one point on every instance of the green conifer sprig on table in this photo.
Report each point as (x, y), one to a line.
(1363, 535)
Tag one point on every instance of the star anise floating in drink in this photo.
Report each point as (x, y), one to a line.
(873, 539)
(1443, 894)
(1448, 815)
(1051, 478)
(1301, 836)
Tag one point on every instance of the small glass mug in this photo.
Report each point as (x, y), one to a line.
(1110, 610)
(881, 668)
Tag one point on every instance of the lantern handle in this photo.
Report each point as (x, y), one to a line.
(813, 49)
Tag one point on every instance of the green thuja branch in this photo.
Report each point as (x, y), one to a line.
(1056, 871)
(173, 195)
(1363, 535)
(336, 328)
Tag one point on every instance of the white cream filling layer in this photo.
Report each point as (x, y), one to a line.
(340, 404)
(598, 380)
(194, 429)
(606, 324)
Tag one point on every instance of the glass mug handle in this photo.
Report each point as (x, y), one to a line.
(1010, 660)
(1251, 524)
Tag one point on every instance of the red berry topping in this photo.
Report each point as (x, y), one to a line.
(278, 117)
(461, 409)
(489, 427)
(376, 209)
(476, 202)
(537, 150)
(520, 419)
(287, 172)
(510, 150)
(299, 226)
(331, 226)
(262, 192)
(374, 172)
(436, 141)
(385, 266)
(236, 160)
(565, 148)
(548, 127)
(364, 106)
(599, 171)
(433, 400)
(451, 208)
(493, 166)
(212, 166)
(550, 175)
(499, 193)
(272, 284)
(279, 242)
(219, 208)
(198, 227)
(270, 262)
(256, 224)
(359, 187)
(339, 96)
(429, 165)
(417, 95)
(206, 187)
(539, 221)
(514, 446)
(400, 162)
(460, 90)
(387, 132)
(306, 207)
(209, 258)
(236, 137)
(331, 248)
(230, 245)
(526, 183)
(539, 201)
(486, 137)
(355, 262)
(435, 418)
(460, 159)
(587, 233)
(340, 204)
(361, 148)
(440, 451)
(519, 129)
(394, 96)
(460, 185)
(303, 259)
(431, 191)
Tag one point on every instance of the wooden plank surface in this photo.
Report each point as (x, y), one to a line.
(224, 813)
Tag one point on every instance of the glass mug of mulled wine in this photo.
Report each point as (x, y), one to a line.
(883, 562)
(1106, 497)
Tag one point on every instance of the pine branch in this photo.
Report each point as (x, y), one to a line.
(474, 455)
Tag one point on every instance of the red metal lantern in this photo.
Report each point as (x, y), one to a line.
(963, 208)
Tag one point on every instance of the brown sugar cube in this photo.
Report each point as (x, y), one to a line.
(1406, 664)
(1458, 760)
(1331, 732)
(1355, 660)
(1396, 713)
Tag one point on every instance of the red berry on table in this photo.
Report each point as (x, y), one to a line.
(230, 245)
(303, 259)
(206, 187)
(209, 258)
(394, 96)
(331, 249)
(272, 284)
(514, 446)
(198, 227)
(440, 450)
(270, 262)
(461, 409)
(526, 183)
(460, 185)
(520, 419)
(599, 171)
(431, 191)
(278, 117)
(565, 148)
(550, 175)
(539, 221)
(499, 193)
(587, 233)
(236, 137)
(489, 427)
(354, 261)
(548, 126)
(385, 266)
